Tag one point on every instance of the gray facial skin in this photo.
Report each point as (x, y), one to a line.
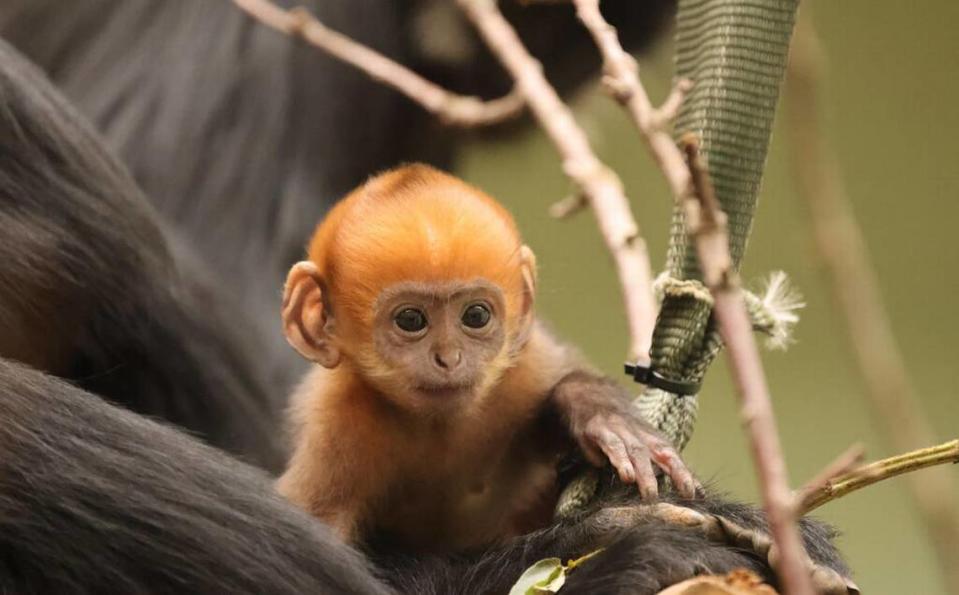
(447, 356)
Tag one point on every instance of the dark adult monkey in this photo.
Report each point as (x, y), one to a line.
(244, 137)
(441, 406)
(96, 499)
(90, 288)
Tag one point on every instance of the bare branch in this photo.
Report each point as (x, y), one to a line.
(707, 225)
(843, 464)
(621, 79)
(845, 257)
(869, 474)
(449, 107)
(600, 185)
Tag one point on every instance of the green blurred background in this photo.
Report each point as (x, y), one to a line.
(891, 96)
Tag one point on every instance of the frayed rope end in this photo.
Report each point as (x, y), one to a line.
(779, 310)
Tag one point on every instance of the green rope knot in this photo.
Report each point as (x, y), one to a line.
(686, 340)
(684, 343)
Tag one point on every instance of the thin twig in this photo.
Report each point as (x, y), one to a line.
(568, 207)
(843, 464)
(449, 107)
(869, 474)
(845, 257)
(707, 226)
(594, 180)
(621, 80)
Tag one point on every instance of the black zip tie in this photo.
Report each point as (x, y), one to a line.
(646, 375)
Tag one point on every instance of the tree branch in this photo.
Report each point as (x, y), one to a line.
(842, 465)
(449, 107)
(621, 80)
(600, 186)
(874, 472)
(707, 226)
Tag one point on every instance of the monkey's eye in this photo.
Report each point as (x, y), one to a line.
(410, 320)
(476, 316)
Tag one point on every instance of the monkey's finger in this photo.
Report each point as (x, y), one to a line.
(670, 462)
(639, 455)
(615, 451)
(639, 459)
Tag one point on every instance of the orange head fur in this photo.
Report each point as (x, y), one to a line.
(414, 223)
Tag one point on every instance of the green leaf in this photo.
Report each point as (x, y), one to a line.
(545, 576)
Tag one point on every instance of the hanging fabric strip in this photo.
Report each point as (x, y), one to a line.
(735, 53)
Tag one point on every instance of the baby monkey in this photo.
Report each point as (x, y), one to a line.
(440, 407)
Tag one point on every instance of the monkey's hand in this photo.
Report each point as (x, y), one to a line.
(606, 426)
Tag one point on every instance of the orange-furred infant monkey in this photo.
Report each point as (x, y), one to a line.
(440, 407)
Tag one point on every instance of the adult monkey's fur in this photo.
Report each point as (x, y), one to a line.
(91, 290)
(96, 499)
(133, 322)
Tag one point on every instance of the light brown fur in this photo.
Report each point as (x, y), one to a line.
(459, 481)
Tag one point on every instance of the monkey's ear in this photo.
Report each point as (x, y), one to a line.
(306, 323)
(527, 264)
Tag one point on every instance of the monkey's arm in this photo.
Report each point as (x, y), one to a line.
(315, 484)
(604, 423)
(597, 413)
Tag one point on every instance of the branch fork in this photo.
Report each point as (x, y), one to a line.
(451, 108)
(621, 79)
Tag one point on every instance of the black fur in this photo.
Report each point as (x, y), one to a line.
(89, 288)
(652, 557)
(96, 499)
(640, 560)
(818, 537)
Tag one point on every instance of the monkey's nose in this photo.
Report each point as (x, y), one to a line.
(448, 360)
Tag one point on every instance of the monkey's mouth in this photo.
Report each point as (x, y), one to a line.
(444, 390)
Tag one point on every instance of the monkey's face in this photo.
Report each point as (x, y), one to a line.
(440, 343)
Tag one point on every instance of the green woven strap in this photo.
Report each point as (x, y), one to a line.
(735, 53)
